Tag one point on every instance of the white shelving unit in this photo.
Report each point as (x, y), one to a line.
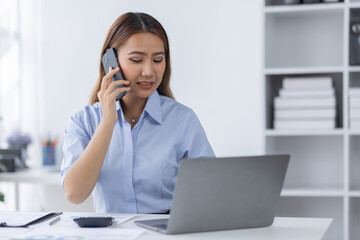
(323, 178)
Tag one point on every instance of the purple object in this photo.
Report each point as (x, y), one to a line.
(18, 140)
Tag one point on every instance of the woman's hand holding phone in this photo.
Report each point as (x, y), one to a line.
(107, 95)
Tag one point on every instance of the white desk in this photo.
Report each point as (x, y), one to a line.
(37, 175)
(282, 229)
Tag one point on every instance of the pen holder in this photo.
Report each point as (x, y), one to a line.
(48, 155)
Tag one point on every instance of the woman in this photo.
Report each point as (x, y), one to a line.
(127, 152)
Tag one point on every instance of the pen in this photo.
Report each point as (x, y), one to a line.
(54, 221)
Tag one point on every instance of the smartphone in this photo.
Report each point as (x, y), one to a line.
(109, 59)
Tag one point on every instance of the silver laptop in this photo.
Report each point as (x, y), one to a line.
(224, 193)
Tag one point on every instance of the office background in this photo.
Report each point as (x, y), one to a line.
(217, 70)
(216, 62)
(216, 50)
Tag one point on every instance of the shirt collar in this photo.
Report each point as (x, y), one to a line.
(152, 107)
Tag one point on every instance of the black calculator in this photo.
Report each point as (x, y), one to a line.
(94, 221)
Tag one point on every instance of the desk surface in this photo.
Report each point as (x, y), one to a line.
(282, 229)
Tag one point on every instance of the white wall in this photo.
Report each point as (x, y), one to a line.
(216, 51)
(216, 60)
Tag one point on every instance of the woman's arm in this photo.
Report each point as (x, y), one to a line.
(82, 176)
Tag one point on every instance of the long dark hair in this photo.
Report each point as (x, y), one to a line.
(120, 31)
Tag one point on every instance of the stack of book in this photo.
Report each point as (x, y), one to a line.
(354, 98)
(305, 103)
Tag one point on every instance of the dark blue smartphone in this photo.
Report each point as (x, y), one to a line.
(109, 59)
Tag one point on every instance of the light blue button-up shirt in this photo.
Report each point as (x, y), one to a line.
(140, 168)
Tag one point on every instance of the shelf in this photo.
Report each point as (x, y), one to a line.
(354, 5)
(310, 156)
(354, 218)
(304, 38)
(273, 84)
(312, 193)
(336, 132)
(304, 70)
(32, 175)
(288, 9)
(354, 132)
(312, 132)
(354, 69)
(354, 193)
(354, 163)
(323, 176)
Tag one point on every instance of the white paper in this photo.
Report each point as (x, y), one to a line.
(20, 218)
(54, 233)
(6, 233)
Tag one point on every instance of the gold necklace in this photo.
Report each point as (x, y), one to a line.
(132, 120)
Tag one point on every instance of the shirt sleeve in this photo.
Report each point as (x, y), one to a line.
(76, 139)
(194, 142)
